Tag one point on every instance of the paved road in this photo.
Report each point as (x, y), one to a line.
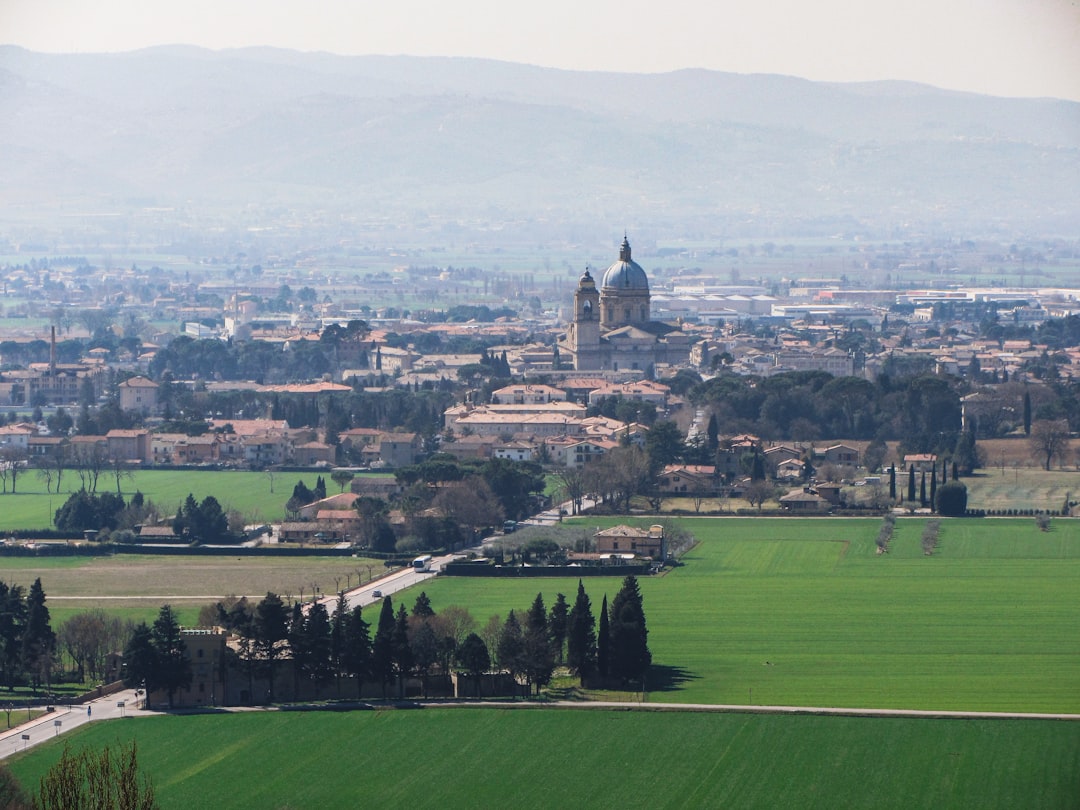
(364, 595)
(46, 727)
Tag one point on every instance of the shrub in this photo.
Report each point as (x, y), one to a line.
(952, 499)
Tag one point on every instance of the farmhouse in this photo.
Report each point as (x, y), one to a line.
(643, 542)
(802, 501)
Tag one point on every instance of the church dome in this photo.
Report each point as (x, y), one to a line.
(626, 274)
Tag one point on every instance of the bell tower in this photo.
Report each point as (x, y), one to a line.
(583, 336)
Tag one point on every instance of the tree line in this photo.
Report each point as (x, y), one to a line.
(325, 648)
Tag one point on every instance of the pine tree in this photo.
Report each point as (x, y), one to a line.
(140, 658)
(422, 607)
(173, 664)
(269, 628)
(581, 636)
(38, 638)
(603, 641)
(629, 648)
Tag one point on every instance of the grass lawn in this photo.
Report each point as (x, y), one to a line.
(450, 758)
(248, 492)
(804, 612)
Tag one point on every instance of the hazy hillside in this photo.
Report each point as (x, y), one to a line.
(482, 144)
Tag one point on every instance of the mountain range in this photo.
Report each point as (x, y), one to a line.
(385, 143)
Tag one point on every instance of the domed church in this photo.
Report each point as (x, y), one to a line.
(612, 328)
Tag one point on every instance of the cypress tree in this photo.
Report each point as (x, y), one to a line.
(922, 490)
(581, 636)
(402, 650)
(357, 648)
(629, 648)
(539, 655)
(1027, 414)
(511, 648)
(911, 484)
(933, 488)
(558, 624)
(892, 483)
(382, 647)
(603, 641)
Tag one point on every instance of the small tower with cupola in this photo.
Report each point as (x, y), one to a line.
(583, 335)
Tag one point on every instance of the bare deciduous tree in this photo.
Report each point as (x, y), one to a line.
(1049, 439)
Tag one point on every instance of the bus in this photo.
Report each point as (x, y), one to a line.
(422, 563)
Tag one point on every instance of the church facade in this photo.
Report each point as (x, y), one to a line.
(612, 327)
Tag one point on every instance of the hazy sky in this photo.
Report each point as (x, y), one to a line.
(1002, 47)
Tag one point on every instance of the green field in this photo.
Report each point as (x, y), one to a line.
(450, 758)
(764, 611)
(804, 612)
(247, 492)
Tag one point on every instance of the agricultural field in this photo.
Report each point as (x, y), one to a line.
(1018, 487)
(135, 586)
(450, 758)
(254, 494)
(805, 612)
